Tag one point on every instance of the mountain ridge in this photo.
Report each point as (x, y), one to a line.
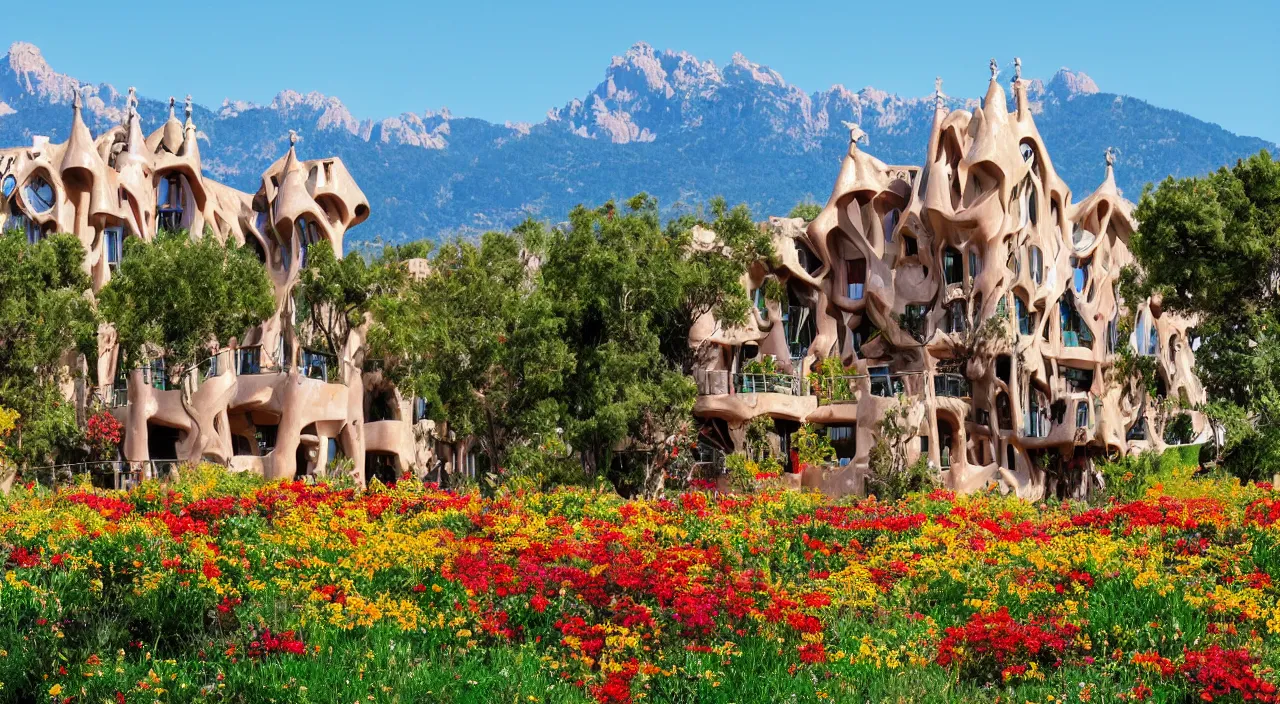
(665, 122)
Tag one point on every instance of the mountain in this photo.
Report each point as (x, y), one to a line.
(663, 122)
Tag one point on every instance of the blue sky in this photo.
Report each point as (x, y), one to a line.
(513, 59)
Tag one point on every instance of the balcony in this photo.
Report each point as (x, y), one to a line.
(767, 384)
(951, 385)
(836, 389)
(320, 365)
(887, 385)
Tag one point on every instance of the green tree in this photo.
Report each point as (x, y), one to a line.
(179, 294)
(334, 294)
(628, 290)
(1210, 246)
(480, 339)
(45, 314)
(806, 210)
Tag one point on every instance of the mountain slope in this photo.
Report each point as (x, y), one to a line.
(663, 122)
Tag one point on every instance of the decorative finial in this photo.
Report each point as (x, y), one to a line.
(171, 101)
(1111, 157)
(1017, 69)
(132, 100)
(187, 109)
(995, 69)
(75, 100)
(293, 138)
(855, 133)
(937, 93)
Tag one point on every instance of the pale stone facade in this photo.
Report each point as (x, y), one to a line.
(263, 403)
(897, 273)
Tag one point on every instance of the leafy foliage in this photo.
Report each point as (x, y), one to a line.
(334, 294)
(813, 449)
(179, 294)
(44, 312)
(1210, 247)
(806, 210)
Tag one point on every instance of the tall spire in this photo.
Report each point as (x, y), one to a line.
(1019, 89)
(75, 101)
(129, 103)
(171, 115)
(856, 134)
(1109, 181)
(939, 101)
(187, 108)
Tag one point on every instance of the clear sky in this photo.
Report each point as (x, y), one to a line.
(514, 59)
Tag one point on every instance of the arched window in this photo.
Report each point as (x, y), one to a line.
(1035, 260)
(1079, 273)
(169, 203)
(1082, 414)
(975, 264)
(1173, 351)
(1025, 325)
(8, 186)
(891, 223)
(957, 316)
(39, 195)
(1074, 331)
(1004, 414)
(1145, 336)
(951, 263)
(308, 233)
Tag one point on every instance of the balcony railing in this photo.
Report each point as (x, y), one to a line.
(951, 385)
(890, 385)
(767, 384)
(836, 389)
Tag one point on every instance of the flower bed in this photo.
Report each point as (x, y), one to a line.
(227, 588)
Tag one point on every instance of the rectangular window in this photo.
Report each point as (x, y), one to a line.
(924, 443)
(249, 360)
(857, 272)
(1082, 414)
(112, 239)
(881, 384)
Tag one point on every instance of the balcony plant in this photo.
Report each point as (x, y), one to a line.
(831, 383)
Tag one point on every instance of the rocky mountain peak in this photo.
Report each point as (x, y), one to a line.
(1067, 84)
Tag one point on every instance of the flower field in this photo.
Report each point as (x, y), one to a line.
(226, 588)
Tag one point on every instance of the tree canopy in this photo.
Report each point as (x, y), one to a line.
(574, 337)
(1210, 246)
(180, 293)
(45, 314)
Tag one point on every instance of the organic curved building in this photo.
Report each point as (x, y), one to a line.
(974, 289)
(264, 402)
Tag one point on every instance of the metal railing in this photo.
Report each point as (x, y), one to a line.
(951, 385)
(105, 474)
(890, 385)
(767, 384)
